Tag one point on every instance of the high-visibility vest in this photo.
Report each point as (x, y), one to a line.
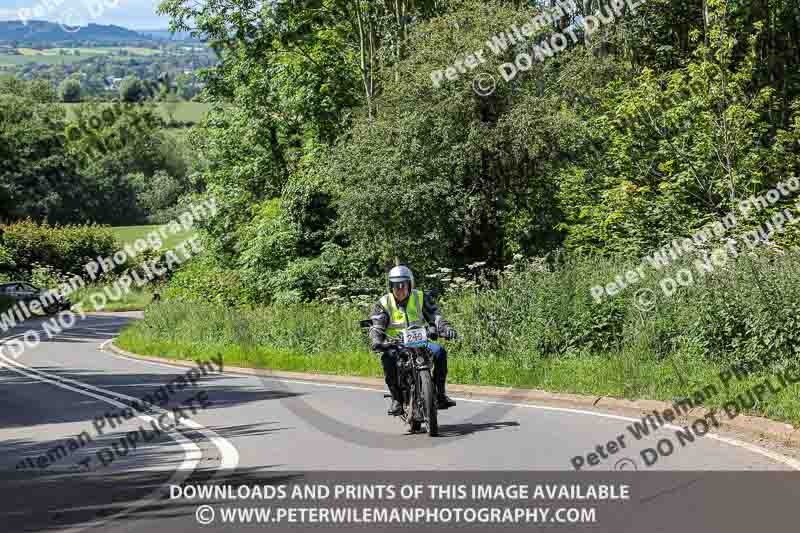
(398, 320)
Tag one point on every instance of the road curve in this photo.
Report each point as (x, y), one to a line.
(66, 386)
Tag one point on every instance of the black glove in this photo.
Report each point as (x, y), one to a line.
(386, 347)
(449, 334)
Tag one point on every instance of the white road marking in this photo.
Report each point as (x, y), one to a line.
(228, 452)
(192, 451)
(788, 461)
(230, 456)
(191, 457)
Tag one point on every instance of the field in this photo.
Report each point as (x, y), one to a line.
(184, 111)
(53, 56)
(128, 234)
(9, 60)
(181, 111)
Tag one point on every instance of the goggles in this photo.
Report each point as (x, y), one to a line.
(399, 284)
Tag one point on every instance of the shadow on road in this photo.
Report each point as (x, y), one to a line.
(459, 430)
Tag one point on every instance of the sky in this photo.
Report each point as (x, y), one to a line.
(133, 14)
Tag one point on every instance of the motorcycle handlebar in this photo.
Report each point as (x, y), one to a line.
(433, 333)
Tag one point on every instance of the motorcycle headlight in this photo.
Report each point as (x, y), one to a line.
(420, 360)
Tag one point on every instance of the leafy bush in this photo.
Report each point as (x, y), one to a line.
(540, 310)
(7, 262)
(203, 281)
(65, 248)
(47, 277)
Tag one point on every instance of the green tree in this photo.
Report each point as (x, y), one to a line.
(186, 90)
(131, 90)
(70, 90)
(37, 179)
(130, 140)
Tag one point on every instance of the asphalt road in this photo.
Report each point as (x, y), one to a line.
(250, 428)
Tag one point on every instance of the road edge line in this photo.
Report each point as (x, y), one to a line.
(758, 428)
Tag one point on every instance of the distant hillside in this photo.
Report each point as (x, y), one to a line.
(46, 32)
(166, 34)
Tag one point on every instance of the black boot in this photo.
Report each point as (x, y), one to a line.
(397, 407)
(443, 401)
(440, 378)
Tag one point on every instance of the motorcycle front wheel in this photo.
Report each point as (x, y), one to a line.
(429, 402)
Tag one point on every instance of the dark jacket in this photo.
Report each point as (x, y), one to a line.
(380, 319)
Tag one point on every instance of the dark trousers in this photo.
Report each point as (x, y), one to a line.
(389, 363)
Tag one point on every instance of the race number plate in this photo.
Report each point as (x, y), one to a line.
(415, 336)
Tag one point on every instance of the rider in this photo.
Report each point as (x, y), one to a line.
(405, 306)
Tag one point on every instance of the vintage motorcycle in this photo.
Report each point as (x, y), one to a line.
(414, 364)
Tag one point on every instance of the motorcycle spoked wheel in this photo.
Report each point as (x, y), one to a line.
(414, 425)
(428, 400)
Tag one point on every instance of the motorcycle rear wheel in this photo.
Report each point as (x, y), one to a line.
(429, 403)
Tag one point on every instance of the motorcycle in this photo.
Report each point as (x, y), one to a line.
(415, 380)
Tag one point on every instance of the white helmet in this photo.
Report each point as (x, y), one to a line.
(399, 275)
